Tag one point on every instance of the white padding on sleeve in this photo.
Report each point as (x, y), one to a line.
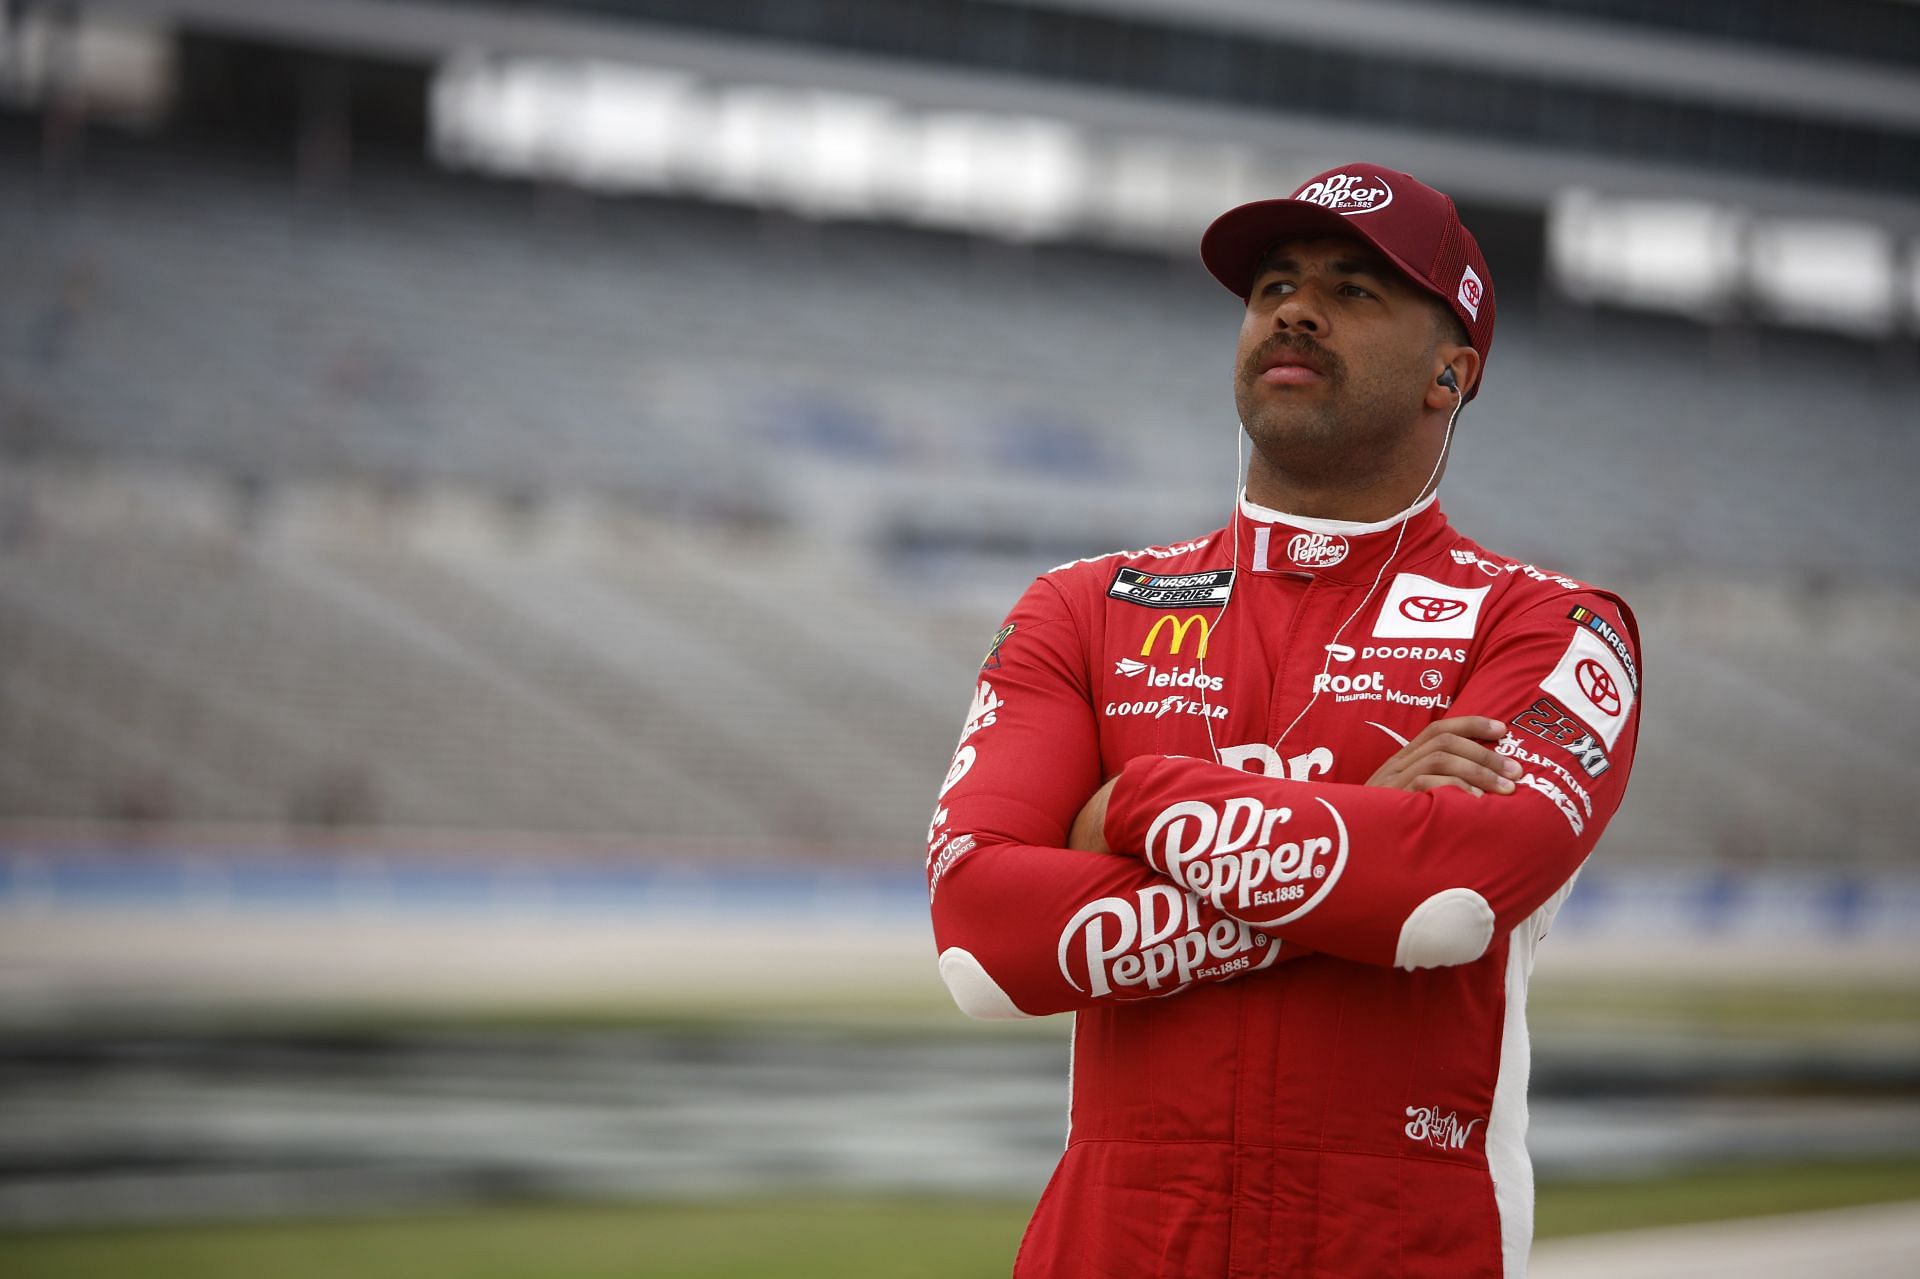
(977, 994)
(1454, 926)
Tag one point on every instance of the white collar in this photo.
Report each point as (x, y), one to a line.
(1350, 528)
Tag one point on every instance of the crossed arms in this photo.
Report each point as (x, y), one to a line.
(1055, 888)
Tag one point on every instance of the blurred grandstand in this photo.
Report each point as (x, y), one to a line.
(348, 492)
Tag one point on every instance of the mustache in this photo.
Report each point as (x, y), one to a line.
(1293, 344)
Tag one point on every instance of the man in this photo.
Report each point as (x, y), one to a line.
(1280, 813)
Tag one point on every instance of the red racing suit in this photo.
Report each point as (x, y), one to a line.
(1300, 1043)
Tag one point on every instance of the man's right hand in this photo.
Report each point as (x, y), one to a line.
(1450, 752)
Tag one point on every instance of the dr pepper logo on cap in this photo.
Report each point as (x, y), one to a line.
(1347, 193)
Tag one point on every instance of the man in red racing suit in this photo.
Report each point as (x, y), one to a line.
(1294, 919)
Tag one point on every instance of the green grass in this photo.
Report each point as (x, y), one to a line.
(794, 1239)
(1817, 1012)
(1811, 1013)
(1740, 1190)
(804, 1238)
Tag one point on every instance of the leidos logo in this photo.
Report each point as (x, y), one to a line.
(1157, 678)
(1180, 625)
(1348, 193)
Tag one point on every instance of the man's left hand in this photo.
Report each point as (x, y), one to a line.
(1089, 828)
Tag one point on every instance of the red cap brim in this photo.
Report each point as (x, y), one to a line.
(1238, 241)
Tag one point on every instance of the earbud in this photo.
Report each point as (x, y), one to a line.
(1448, 380)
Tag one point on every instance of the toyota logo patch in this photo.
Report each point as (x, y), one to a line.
(1426, 609)
(1598, 685)
(1429, 608)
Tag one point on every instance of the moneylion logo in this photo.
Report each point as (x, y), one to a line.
(1348, 193)
(1180, 625)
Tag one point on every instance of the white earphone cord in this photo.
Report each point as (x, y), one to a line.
(1233, 531)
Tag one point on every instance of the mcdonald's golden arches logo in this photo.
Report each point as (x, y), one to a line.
(1180, 625)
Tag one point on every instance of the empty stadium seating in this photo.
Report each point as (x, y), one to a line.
(280, 538)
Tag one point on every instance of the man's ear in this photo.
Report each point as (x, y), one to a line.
(1465, 363)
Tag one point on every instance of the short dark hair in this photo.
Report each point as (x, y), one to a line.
(1446, 323)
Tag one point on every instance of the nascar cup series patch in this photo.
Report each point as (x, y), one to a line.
(1206, 589)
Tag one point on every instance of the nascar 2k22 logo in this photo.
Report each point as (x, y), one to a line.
(1236, 855)
(1156, 939)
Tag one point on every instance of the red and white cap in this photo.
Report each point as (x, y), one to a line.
(1415, 226)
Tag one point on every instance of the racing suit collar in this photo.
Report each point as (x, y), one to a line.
(1275, 542)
